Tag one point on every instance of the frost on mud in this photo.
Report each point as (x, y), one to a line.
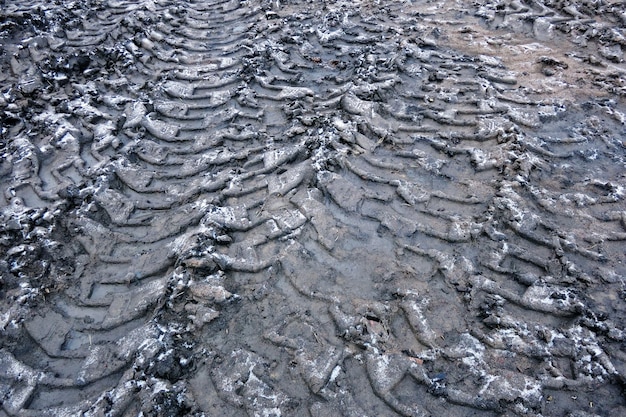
(293, 208)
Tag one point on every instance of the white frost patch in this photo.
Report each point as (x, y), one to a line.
(538, 295)
(470, 350)
(334, 374)
(159, 386)
(92, 357)
(187, 240)
(489, 380)
(579, 199)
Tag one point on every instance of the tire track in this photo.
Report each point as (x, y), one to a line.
(238, 207)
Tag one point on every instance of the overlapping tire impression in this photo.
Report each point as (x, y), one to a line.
(293, 208)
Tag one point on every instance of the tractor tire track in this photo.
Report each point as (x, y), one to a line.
(271, 208)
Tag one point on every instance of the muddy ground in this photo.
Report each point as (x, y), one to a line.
(294, 208)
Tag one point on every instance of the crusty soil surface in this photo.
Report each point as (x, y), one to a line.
(295, 208)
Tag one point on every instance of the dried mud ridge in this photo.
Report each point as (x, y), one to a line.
(331, 208)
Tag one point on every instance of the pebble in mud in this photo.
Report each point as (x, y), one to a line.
(285, 208)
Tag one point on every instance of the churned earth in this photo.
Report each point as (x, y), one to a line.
(295, 208)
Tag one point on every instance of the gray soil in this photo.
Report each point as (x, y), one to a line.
(295, 208)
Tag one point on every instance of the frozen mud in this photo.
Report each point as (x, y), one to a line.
(294, 208)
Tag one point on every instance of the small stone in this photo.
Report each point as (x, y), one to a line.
(224, 239)
(612, 53)
(594, 60)
(548, 71)
(204, 291)
(28, 87)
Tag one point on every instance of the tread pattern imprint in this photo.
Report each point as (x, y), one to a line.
(333, 208)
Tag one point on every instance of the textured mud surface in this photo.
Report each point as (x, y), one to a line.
(312, 208)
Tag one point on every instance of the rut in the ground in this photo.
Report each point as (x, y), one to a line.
(294, 208)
